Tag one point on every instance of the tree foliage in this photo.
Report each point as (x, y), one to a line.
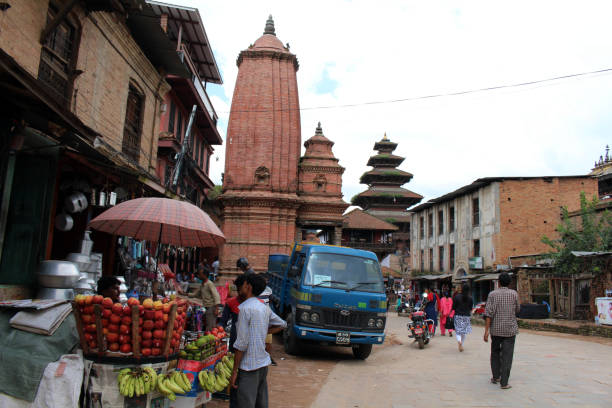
(590, 231)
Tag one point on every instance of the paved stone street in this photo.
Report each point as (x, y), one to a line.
(549, 370)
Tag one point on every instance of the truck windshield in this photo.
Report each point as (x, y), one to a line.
(343, 272)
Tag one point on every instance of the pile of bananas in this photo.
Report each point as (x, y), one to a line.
(136, 381)
(175, 382)
(219, 379)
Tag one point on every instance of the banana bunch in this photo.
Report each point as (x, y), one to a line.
(219, 379)
(136, 381)
(175, 382)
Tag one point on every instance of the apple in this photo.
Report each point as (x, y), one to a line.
(155, 351)
(149, 314)
(159, 324)
(176, 324)
(148, 324)
(127, 320)
(88, 300)
(112, 337)
(115, 319)
(104, 322)
(104, 331)
(106, 313)
(88, 310)
(214, 331)
(113, 328)
(146, 343)
(92, 344)
(157, 343)
(146, 334)
(107, 302)
(97, 299)
(146, 352)
(90, 328)
(117, 309)
(123, 338)
(89, 337)
(113, 347)
(133, 301)
(87, 318)
(159, 315)
(140, 330)
(165, 317)
(158, 305)
(158, 334)
(167, 307)
(79, 299)
(127, 310)
(126, 348)
(148, 303)
(173, 343)
(140, 321)
(124, 329)
(141, 310)
(176, 335)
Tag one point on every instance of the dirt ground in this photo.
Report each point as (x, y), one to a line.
(296, 381)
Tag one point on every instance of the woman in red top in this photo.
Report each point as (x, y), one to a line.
(446, 310)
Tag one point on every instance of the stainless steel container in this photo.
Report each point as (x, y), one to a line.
(55, 293)
(57, 274)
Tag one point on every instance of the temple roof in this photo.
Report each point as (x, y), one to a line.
(269, 41)
(385, 159)
(318, 137)
(385, 145)
(359, 219)
(385, 175)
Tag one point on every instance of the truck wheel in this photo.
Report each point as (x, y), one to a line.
(362, 351)
(421, 343)
(290, 340)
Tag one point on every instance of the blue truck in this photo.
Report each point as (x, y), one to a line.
(329, 295)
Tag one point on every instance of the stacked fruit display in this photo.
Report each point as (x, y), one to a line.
(205, 346)
(150, 331)
(218, 379)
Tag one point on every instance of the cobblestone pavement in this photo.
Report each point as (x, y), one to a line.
(548, 371)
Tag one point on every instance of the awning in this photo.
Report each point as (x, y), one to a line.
(431, 277)
(470, 277)
(490, 276)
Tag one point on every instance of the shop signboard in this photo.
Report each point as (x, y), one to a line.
(475, 262)
(604, 310)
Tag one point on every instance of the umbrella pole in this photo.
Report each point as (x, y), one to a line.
(158, 250)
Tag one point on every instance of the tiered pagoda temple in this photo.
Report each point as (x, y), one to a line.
(385, 197)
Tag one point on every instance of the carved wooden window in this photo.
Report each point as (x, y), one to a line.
(57, 58)
(171, 117)
(133, 123)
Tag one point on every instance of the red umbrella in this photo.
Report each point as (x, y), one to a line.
(161, 220)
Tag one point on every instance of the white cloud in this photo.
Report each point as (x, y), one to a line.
(402, 49)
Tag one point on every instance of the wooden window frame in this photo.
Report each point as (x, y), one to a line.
(451, 256)
(476, 245)
(441, 258)
(475, 211)
(430, 228)
(132, 139)
(451, 219)
(440, 222)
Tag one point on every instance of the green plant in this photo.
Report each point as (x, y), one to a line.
(591, 232)
(214, 192)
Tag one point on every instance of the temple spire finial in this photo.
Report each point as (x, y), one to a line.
(385, 136)
(270, 26)
(319, 130)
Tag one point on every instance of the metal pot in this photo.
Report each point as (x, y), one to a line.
(76, 202)
(58, 274)
(64, 222)
(81, 260)
(55, 293)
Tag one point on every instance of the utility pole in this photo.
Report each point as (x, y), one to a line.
(185, 147)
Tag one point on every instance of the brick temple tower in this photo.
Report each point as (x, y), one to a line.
(260, 183)
(320, 189)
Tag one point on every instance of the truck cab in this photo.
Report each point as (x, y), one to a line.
(330, 295)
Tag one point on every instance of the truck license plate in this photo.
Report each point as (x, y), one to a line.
(343, 338)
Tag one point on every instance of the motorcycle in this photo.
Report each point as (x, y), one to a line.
(420, 328)
(404, 307)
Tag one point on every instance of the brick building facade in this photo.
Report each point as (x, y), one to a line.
(491, 219)
(269, 194)
(83, 91)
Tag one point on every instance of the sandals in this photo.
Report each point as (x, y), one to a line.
(506, 387)
(495, 380)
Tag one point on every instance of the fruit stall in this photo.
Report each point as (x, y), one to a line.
(137, 355)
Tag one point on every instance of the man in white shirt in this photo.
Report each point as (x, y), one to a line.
(251, 360)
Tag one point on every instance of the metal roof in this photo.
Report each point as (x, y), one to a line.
(193, 35)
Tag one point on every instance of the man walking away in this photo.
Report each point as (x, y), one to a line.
(251, 361)
(500, 314)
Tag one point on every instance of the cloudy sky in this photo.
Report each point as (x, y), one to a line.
(357, 52)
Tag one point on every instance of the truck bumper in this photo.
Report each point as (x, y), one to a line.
(329, 336)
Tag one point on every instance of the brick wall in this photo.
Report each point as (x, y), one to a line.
(530, 209)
